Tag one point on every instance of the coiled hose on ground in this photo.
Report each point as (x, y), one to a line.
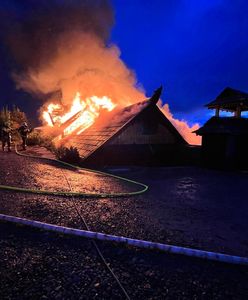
(143, 189)
(105, 237)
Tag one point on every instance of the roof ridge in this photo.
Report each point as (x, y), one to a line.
(228, 96)
(125, 124)
(120, 119)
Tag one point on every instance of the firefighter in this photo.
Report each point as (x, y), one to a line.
(24, 131)
(6, 137)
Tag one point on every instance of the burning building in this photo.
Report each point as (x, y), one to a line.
(225, 139)
(136, 134)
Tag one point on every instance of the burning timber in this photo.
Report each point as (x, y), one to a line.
(137, 134)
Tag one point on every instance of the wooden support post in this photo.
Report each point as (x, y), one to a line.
(217, 112)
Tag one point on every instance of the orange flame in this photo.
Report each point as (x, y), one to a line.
(86, 110)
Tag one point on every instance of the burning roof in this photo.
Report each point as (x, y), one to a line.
(104, 129)
(80, 116)
(101, 131)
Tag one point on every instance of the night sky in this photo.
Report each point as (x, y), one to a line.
(195, 48)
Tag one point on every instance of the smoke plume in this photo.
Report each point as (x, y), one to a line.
(64, 45)
(182, 126)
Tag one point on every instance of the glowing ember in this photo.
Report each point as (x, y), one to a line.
(84, 111)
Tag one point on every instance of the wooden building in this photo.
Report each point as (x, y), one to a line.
(136, 134)
(225, 139)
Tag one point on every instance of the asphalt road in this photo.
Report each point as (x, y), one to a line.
(185, 206)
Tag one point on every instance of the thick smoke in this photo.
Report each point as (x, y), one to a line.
(34, 29)
(64, 45)
(83, 63)
(182, 126)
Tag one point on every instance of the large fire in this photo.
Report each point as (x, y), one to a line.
(74, 56)
(82, 113)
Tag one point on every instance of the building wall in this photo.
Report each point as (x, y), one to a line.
(148, 139)
(144, 133)
(144, 155)
(225, 151)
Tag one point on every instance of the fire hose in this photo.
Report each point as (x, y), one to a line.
(143, 189)
(214, 256)
(78, 194)
(105, 237)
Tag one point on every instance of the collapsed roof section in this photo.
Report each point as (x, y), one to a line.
(111, 124)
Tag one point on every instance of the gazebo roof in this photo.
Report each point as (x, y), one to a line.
(229, 99)
(224, 125)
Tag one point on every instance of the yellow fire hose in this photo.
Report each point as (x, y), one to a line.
(76, 194)
(105, 237)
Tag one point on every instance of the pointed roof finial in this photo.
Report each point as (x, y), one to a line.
(156, 95)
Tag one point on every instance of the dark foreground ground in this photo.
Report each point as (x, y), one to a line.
(192, 207)
(41, 265)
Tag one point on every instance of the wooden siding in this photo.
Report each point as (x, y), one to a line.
(135, 134)
(97, 134)
(139, 124)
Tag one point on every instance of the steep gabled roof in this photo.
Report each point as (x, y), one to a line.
(102, 131)
(229, 99)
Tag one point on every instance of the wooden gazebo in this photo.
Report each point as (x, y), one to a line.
(230, 100)
(225, 139)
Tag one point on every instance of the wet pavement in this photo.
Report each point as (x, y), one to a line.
(186, 206)
(193, 207)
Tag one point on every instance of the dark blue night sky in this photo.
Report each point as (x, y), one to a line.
(195, 48)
